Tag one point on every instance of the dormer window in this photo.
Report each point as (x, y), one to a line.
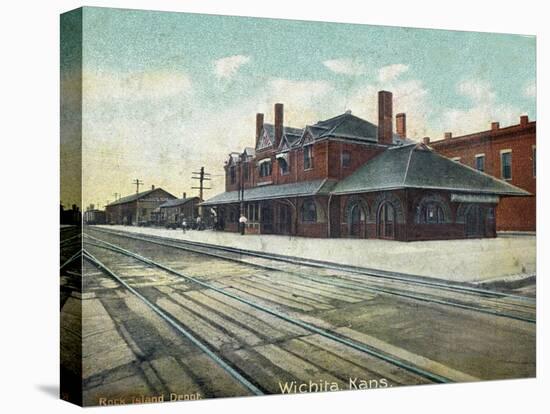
(283, 166)
(265, 167)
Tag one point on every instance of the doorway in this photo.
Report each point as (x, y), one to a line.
(475, 223)
(355, 221)
(284, 219)
(386, 221)
(266, 223)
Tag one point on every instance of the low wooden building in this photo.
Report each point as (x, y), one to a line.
(174, 211)
(137, 209)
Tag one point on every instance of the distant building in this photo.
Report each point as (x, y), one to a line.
(136, 209)
(346, 177)
(509, 154)
(72, 216)
(172, 212)
(93, 215)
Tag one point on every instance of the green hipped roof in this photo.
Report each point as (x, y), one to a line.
(417, 166)
(301, 189)
(410, 166)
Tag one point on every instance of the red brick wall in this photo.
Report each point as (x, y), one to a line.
(513, 213)
(360, 154)
(326, 164)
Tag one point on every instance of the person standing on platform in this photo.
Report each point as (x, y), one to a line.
(242, 223)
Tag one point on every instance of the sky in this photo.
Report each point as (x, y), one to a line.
(167, 93)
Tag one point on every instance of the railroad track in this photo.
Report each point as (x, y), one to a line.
(225, 365)
(381, 274)
(332, 336)
(493, 303)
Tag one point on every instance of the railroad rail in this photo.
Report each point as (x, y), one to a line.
(178, 327)
(358, 346)
(378, 273)
(519, 301)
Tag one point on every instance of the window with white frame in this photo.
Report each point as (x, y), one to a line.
(506, 164)
(308, 157)
(265, 168)
(480, 162)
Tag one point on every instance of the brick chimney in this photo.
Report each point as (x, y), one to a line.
(523, 120)
(152, 187)
(279, 121)
(259, 126)
(184, 194)
(426, 140)
(495, 126)
(385, 118)
(401, 125)
(448, 135)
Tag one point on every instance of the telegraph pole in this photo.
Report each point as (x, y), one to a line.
(241, 183)
(202, 177)
(137, 182)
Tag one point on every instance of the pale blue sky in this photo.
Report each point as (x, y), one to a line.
(167, 92)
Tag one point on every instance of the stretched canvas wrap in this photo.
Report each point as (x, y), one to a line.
(258, 206)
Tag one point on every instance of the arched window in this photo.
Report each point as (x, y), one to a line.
(432, 213)
(309, 211)
(432, 209)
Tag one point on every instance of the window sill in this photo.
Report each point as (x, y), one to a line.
(308, 169)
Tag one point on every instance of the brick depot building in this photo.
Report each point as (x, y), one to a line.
(137, 209)
(346, 177)
(508, 154)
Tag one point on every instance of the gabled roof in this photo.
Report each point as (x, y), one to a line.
(299, 189)
(291, 134)
(234, 158)
(416, 166)
(250, 151)
(137, 196)
(178, 202)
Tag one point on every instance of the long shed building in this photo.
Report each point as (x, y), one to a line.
(137, 209)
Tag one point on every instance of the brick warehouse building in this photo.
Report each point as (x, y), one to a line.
(137, 208)
(506, 153)
(346, 177)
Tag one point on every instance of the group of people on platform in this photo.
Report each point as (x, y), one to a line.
(192, 224)
(219, 224)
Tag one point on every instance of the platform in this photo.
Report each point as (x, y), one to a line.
(471, 260)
